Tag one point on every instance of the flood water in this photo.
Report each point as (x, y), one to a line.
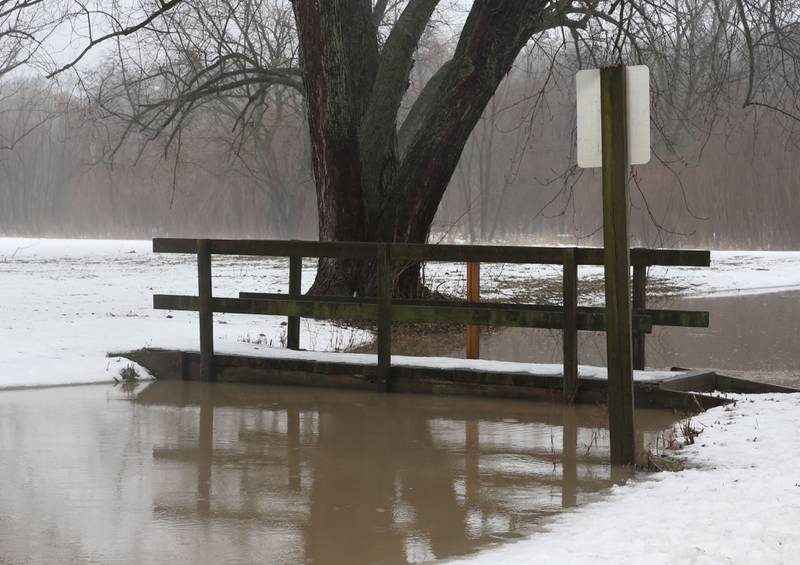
(754, 336)
(194, 473)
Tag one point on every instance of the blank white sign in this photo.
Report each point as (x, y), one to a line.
(590, 144)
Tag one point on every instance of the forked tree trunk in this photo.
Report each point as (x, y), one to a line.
(375, 182)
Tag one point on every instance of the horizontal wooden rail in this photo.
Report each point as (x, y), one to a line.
(477, 313)
(271, 248)
(675, 318)
(431, 252)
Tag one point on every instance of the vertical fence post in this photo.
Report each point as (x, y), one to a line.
(639, 303)
(613, 104)
(295, 284)
(206, 310)
(570, 330)
(385, 287)
(473, 295)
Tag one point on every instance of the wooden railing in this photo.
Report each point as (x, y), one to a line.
(570, 318)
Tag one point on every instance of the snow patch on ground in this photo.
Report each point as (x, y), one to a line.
(731, 273)
(67, 303)
(735, 273)
(739, 504)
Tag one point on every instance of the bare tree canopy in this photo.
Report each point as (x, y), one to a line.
(24, 25)
(382, 156)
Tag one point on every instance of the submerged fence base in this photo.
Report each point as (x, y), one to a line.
(682, 392)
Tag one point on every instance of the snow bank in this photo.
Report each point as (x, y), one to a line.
(741, 272)
(67, 303)
(741, 503)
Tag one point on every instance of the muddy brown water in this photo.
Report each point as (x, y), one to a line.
(755, 336)
(192, 473)
(221, 473)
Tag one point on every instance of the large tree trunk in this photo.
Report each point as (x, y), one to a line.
(373, 182)
(339, 56)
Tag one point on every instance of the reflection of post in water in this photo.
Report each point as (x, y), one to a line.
(293, 447)
(353, 486)
(205, 451)
(472, 463)
(569, 462)
(427, 473)
(378, 476)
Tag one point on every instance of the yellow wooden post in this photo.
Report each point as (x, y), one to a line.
(473, 295)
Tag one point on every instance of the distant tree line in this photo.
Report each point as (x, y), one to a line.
(737, 188)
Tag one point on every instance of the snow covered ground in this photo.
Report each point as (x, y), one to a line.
(731, 273)
(66, 303)
(739, 503)
(735, 273)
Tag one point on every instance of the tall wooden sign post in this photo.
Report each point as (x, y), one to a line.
(619, 350)
(618, 98)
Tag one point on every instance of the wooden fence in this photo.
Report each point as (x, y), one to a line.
(569, 318)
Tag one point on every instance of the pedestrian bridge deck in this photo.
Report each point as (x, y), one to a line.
(685, 390)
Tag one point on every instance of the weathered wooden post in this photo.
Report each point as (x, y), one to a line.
(613, 133)
(639, 303)
(613, 104)
(295, 284)
(205, 310)
(385, 288)
(473, 295)
(570, 330)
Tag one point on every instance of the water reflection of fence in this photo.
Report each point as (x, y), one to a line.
(384, 309)
(459, 471)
